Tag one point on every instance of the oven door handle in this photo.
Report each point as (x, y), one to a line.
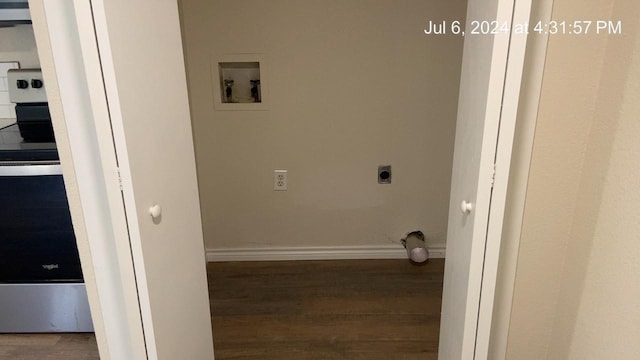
(30, 170)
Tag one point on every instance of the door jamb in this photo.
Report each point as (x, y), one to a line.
(502, 163)
(496, 329)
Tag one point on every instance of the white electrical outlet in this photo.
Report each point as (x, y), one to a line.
(280, 180)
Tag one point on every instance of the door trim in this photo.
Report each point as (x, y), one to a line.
(527, 112)
(504, 147)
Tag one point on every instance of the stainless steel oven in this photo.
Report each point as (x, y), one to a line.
(41, 282)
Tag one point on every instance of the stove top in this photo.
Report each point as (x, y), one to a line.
(14, 148)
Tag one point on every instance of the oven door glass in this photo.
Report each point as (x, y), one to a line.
(37, 242)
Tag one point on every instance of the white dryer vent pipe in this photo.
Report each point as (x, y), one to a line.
(416, 247)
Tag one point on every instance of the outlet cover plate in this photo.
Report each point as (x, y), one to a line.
(280, 180)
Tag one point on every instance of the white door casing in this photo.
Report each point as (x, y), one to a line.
(506, 134)
(484, 68)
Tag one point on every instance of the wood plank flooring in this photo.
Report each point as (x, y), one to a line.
(345, 309)
(48, 347)
(373, 309)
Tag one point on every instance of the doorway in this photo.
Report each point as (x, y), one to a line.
(347, 87)
(133, 76)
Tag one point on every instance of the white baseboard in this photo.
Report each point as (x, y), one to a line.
(317, 253)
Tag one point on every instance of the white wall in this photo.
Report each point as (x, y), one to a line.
(569, 91)
(17, 43)
(576, 287)
(351, 85)
(598, 304)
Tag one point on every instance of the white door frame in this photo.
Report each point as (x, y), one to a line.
(106, 256)
(504, 150)
(471, 271)
(496, 315)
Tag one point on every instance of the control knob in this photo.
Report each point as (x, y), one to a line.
(36, 83)
(22, 84)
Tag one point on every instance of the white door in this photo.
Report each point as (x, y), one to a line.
(152, 133)
(481, 89)
(142, 71)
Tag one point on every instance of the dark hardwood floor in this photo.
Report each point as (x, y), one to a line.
(345, 309)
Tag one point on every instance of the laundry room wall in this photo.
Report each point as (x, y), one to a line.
(348, 86)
